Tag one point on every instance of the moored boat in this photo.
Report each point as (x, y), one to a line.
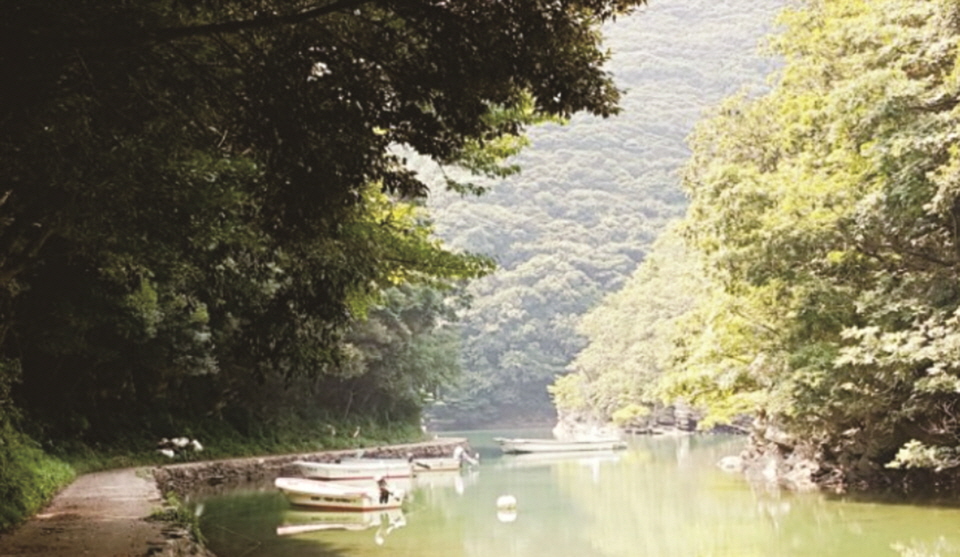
(335, 496)
(355, 469)
(436, 464)
(456, 461)
(519, 445)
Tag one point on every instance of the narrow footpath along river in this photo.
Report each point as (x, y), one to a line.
(662, 497)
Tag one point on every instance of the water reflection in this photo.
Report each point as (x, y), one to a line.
(661, 497)
(295, 522)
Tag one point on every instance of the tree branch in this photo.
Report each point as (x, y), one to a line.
(167, 34)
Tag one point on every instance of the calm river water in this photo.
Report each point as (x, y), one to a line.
(662, 497)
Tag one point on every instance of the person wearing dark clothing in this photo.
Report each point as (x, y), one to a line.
(384, 490)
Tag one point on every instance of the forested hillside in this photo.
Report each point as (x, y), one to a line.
(204, 229)
(590, 200)
(824, 229)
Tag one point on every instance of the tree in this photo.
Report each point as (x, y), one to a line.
(591, 199)
(221, 180)
(630, 333)
(403, 354)
(826, 213)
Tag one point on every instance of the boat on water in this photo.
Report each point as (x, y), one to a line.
(455, 461)
(519, 445)
(336, 496)
(355, 469)
(358, 468)
(436, 464)
(424, 464)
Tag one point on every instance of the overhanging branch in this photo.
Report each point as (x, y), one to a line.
(167, 34)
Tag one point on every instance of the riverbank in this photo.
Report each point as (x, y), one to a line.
(111, 514)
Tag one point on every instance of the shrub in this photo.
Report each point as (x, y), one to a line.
(29, 478)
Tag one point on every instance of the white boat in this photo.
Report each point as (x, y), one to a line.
(335, 496)
(416, 465)
(436, 464)
(456, 461)
(518, 445)
(359, 468)
(355, 469)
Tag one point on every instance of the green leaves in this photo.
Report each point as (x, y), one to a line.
(593, 195)
(819, 210)
(915, 454)
(220, 184)
(630, 333)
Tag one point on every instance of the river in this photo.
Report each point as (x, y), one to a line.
(662, 497)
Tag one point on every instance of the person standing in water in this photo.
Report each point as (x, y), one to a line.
(384, 489)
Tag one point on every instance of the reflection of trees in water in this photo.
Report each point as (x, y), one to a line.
(663, 497)
(670, 498)
(938, 548)
(658, 501)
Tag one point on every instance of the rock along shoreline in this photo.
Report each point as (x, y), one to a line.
(203, 477)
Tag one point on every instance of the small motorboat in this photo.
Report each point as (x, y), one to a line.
(436, 464)
(355, 469)
(456, 461)
(518, 445)
(335, 496)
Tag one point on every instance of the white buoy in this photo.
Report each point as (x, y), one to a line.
(506, 502)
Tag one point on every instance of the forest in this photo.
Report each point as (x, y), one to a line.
(591, 198)
(280, 225)
(206, 229)
(812, 282)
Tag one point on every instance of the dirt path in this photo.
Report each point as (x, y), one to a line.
(99, 515)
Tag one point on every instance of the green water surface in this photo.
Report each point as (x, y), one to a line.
(663, 497)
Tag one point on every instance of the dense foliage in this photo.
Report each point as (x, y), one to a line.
(202, 202)
(825, 215)
(827, 211)
(615, 378)
(592, 197)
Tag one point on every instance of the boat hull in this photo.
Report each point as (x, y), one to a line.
(354, 470)
(435, 464)
(368, 469)
(335, 497)
(521, 446)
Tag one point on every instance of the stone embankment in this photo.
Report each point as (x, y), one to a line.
(220, 475)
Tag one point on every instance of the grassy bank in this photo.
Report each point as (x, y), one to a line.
(29, 477)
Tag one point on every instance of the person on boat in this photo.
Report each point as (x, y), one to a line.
(384, 489)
